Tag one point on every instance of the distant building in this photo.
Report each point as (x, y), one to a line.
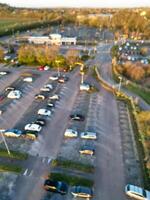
(53, 39)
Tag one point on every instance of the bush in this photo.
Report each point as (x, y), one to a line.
(10, 168)
(71, 180)
(73, 165)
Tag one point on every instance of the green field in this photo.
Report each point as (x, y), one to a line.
(11, 23)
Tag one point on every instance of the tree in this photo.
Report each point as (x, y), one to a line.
(72, 56)
(26, 54)
(59, 62)
(144, 51)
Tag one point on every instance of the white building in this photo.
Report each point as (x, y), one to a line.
(53, 39)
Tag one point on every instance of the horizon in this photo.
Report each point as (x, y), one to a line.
(77, 4)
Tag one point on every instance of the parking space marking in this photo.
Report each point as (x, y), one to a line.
(25, 172)
(31, 173)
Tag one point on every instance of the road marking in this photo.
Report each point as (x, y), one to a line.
(25, 172)
(31, 173)
(43, 160)
(49, 160)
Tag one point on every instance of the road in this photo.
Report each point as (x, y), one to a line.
(31, 187)
(110, 176)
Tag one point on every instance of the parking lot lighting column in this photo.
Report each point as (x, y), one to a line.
(5, 142)
(119, 83)
(82, 77)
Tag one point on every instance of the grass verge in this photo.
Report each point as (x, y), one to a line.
(73, 165)
(140, 92)
(10, 168)
(13, 154)
(71, 180)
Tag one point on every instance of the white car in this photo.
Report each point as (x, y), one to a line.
(49, 86)
(44, 112)
(54, 78)
(3, 73)
(136, 192)
(55, 96)
(33, 127)
(88, 135)
(84, 87)
(46, 68)
(15, 94)
(45, 89)
(71, 133)
(28, 79)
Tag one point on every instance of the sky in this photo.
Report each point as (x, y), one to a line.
(77, 3)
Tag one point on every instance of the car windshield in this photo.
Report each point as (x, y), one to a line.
(59, 185)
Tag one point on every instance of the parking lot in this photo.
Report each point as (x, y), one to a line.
(130, 154)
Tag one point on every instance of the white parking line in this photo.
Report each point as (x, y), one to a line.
(31, 173)
(49, 160)
(25, 172)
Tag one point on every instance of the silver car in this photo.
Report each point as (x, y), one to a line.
(88, 135)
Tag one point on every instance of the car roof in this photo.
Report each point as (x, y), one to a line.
(82, 189)
(86, 147)
(136, 190)
(88, 133)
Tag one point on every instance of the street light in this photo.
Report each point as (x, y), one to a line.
(82, 77)
(3, 138)
(120, 77)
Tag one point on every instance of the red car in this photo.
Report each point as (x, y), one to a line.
(41, 68)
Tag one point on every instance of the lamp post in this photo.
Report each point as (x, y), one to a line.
(3, 138)
(82, 77)
(120, 77)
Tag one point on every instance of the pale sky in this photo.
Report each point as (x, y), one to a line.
(78, 3)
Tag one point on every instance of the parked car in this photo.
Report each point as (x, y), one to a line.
(63, 79)
(33, 127)
(89, 150)
(14, 94)
(28, 79)
(9, 88)
(80, 191)
(40, 122)
(40, 97)
(43, 68)
(32, 135)
(84, 87)
(48, 85)
(50, 104)
(88, 135)
(77, 117)
(55, 96)
(56, 186)
(54, 77)
(136, 192)
(45, 89)
(71, 133)
(2, 73)
(44, 112)
(13, 132)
